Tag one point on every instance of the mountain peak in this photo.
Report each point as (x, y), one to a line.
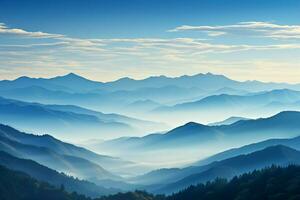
(72, 75)
(23, 78)
(190, 124)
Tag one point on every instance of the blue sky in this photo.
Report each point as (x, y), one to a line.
(108, 39)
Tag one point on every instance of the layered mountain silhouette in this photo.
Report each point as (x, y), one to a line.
(74, 89)
(45, 174)
(62, 156)
(173, 180)
(74, 108)
(64, 120)
(284, 124)
(290, 142)
(228, 121)
(233, 105)
(69, 82)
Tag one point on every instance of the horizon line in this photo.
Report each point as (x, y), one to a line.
(151, 76)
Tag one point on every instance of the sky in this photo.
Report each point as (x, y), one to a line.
(108, 39)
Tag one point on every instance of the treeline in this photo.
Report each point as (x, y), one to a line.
(20, 186)
(273, 183)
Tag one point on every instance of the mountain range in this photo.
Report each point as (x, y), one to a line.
(168, 181)
(65, 157)
(277, 155)
(284, 124)
(228, 121)
(45, 174)
(126, 122)
(219, 107)
(50, 152)
(200, 95)
(161, 88)
(63, 120)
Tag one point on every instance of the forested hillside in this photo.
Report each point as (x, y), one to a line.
(274, 183)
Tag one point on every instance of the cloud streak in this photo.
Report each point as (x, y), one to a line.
(148, 56)
(20, 32)
(265, 29)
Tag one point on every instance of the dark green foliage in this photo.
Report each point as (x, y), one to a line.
(137, 195)
(273, 183)
(19, 186)
(43, 174)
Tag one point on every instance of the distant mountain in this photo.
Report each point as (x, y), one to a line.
(137, 124)
(70, 83)
(227, 102)
(48, 175)
(53, 119)
(188, 134)
(219, 107)
(206, 81)
(142, 106)
(228, 90)
(69, 164)
(46, 148)
(166, 94)
(162, 81)
(284, 124)
(228, 121)
(276, 106)
(157, 88)
(184, 95)
(198, 141)
(101, 99)
(75, 82)
(278, 155)
(291, 142)
(96, 100)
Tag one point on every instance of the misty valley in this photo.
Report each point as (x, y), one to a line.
(149, 100)
(153, 138)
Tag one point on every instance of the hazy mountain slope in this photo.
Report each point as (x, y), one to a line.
(42, 95)
(284, 124)
(161, 94)
(46, 174)
(70, 83)
(142, 106)
(279, 155)
(51, 144)
(292, 143)
(75, 166)
(193, 141)
(177, 137)
(228, 121)
(220, 107)
(227, 102)
(75, 82)
(41, 119)
(167, 175)
(125, 90)
(207, 81)
(146, 126)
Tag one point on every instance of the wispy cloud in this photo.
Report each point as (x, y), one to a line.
(20, 32)
(265, 29)
(140, 57)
